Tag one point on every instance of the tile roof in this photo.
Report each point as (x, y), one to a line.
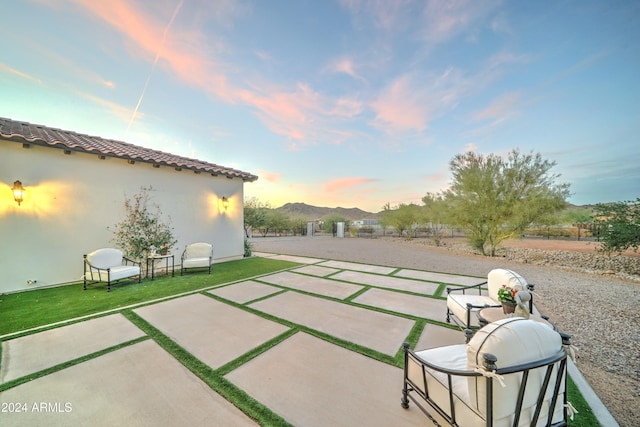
(42, 135)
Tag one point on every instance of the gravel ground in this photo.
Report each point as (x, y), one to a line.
(598, 308)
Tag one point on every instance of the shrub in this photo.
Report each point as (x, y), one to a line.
(142, 229)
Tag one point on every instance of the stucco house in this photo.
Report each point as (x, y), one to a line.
(75, 186)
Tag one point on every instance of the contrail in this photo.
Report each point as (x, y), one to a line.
(155, 61)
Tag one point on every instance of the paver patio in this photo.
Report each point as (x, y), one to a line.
(32, 353)
(302, 378)
(214, 332)
(311, 382)
(139, 385)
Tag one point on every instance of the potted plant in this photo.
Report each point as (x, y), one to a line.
(507, 296)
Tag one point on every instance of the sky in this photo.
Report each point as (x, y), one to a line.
(347, 103)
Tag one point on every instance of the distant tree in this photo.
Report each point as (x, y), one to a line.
(332, 219)
(495, 199)
(298, 224)
(404, 218)
(619, 225)
(579, 217)
(276, 221)
(385, 218)
(435, 213)
(255, 215)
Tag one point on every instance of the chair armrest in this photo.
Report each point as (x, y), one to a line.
(463, 289)
(129, 260)
(455, 372)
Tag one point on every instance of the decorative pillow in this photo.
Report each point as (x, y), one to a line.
(499, 277)
(513, 341)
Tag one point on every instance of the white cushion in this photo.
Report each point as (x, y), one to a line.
(449, 357)
(499, 277)
(198, 250)
(123, 271)
(105, 258)
(513, 341)
(196, 262)
(457, 304)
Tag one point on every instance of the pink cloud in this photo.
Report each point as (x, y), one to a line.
(269, 176)
(342, 183)
(501, 108)
(402, 106)
(299, 113)
(182, 50)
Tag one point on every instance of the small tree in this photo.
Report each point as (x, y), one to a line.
(495, 199)
(619, 224)
(435, 213)
(142, 229)
(255, 215)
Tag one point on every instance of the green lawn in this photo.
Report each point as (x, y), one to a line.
(29, 309)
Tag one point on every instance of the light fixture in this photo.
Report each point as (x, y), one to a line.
(18, 192)
(225, 203)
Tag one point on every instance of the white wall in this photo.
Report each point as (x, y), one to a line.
(72, 200)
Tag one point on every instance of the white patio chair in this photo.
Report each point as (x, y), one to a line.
(463, 303)
(197, 255)
(108, 265)
(511, 373)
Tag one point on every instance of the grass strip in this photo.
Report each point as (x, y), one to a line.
(585, 416)
(30, 309)
(61, 366)
(247, 404)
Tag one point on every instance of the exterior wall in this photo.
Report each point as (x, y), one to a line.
(72, 200)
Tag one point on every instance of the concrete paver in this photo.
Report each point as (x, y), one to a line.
(138, 385)
(343, 265)
(316, 270)
(310, 382)
(212, 331)
(417, 286)
(298, 259)
(245, 291)
(315, 285)
(379, 331)
(440, 277)
(32, 353)
(437, 336)
(425, 307)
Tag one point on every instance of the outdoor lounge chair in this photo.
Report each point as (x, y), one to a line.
(197, 255)
(464, 303)
(108, 265)
(511, 373)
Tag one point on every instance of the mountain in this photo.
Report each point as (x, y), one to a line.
(314, 212)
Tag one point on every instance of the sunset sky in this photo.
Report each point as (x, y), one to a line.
(347, 103)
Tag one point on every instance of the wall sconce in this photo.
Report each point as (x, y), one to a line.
(225, 203)
(18, 192)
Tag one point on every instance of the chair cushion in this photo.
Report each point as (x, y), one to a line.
(105, 258)
(196, 262)
(197, 250)
(457, 304)
(117, 273)
(499, 277)
(513, 341)
(451, 357)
